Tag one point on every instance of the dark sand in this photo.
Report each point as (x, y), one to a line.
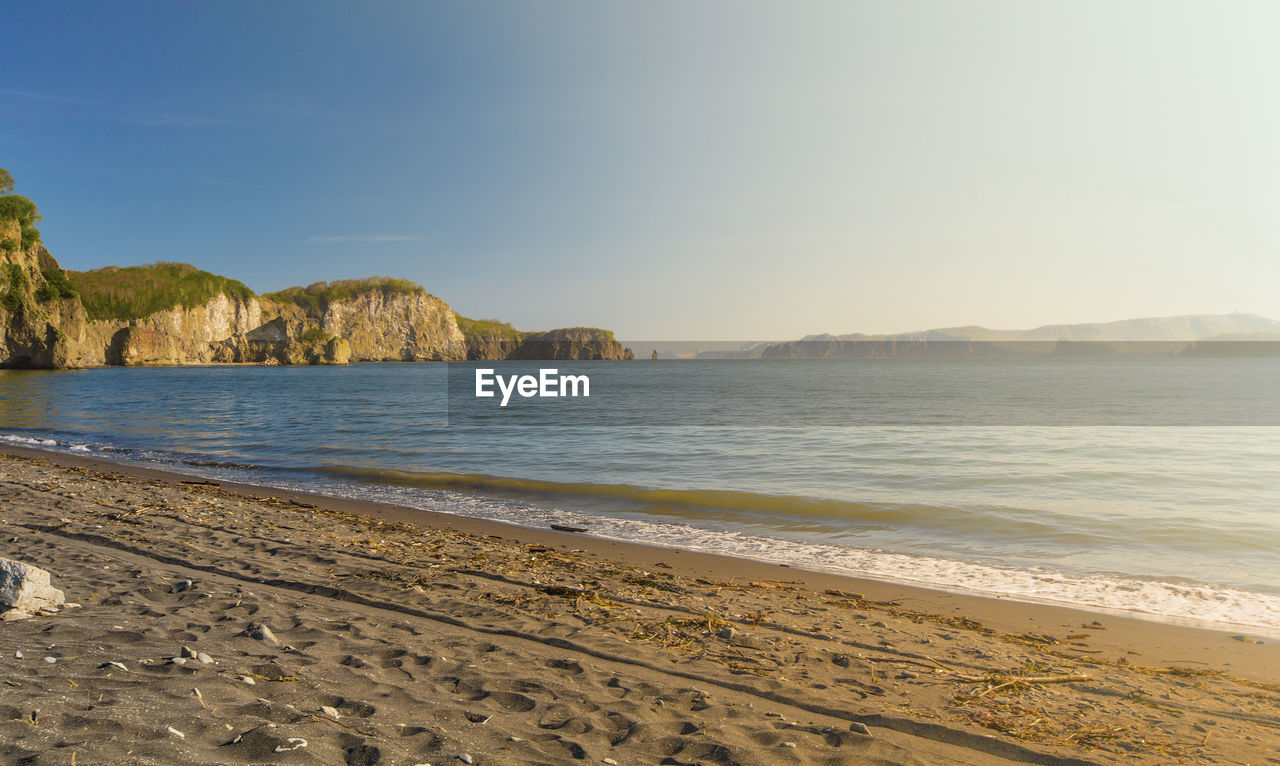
(434, 636)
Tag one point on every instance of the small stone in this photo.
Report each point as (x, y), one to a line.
(879, 624)
(204, 658)
(11, 615)
(247, 679)
(292, 743)
(180, 586)
(261, 632)
(112, 664)
(609, 761)
(188, 652)
(907, 674)
(788, 744)
(515, 739)
(726, 633)
(859, 728)
(50, 660)
(465, 757)
(329, 711)
(179, 661)
(177, 733)
(18, 654)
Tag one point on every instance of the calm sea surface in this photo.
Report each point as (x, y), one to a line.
(1147, 485)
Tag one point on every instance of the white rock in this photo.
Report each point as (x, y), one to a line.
(25, 587)
(292, 743)
(50, 660)
(177, 733)
(331, 712)
(14, 614)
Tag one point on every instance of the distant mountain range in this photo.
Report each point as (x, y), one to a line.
(1190, 334)
(1188, 327)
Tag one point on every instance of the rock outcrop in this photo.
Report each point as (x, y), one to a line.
(42, 323)
(571, 343)
(385, 320)
(493, 340)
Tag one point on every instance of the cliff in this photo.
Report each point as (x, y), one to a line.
(493, 340)
(177, 314)
(385, 320)
(42, 323)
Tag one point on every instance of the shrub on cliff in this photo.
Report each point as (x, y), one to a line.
(487, 329)
(56, 285)
(131, 292)
(319, 295)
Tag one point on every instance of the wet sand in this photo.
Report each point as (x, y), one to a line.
(404, 636)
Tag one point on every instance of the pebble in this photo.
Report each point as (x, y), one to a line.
(18, 655)
(261, 632)
(180, 586)
(204, 658)
(329, 711)
(292, 743)
(859, 728)
(112, 664)
(248, 680)
(50, 660)
(907, 674)
(788, 744)
(465, 758)
(727, 633)
(187, 652)
(609, 761)
(177, 733)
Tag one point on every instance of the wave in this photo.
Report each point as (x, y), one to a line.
(833, 517)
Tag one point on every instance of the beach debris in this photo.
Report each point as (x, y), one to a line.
(261, 632)
(564, 528)
(113, 664)
(177, 733)
(26, 588)
(292, 743)
(859, 728)
(18, 654)
(788, 744)
(180, 586)
(199, 697)
(479, 718)
(465, 758)
(330, 711)
(845, 595)
(246, 679)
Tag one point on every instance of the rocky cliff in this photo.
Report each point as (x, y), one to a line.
(493, 340)
(42, 323)
(176, 314)
(385, 320)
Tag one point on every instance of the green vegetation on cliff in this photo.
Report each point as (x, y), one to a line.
(124, 293)
(56, 286)
(320, 294)
(487, 329)
(13, 282)
(15, 207)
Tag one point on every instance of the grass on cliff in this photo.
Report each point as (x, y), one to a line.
(318, 296)
(124, 293)
(487, 329)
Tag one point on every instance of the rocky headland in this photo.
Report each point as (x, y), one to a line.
(177, 314)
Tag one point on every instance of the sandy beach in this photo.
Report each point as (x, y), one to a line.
(405, 637)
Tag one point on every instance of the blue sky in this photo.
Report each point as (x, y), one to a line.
(713, 170)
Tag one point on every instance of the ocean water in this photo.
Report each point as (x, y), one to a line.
(1149, 486)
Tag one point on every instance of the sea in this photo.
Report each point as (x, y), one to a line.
(1147, 486)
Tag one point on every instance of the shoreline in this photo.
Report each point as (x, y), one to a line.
(1165, 640)
(226, 623)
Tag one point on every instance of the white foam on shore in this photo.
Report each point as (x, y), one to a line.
(1201, 605)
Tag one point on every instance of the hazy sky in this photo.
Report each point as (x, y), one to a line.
(676, 170)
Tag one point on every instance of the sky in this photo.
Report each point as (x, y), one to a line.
(670, 170)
